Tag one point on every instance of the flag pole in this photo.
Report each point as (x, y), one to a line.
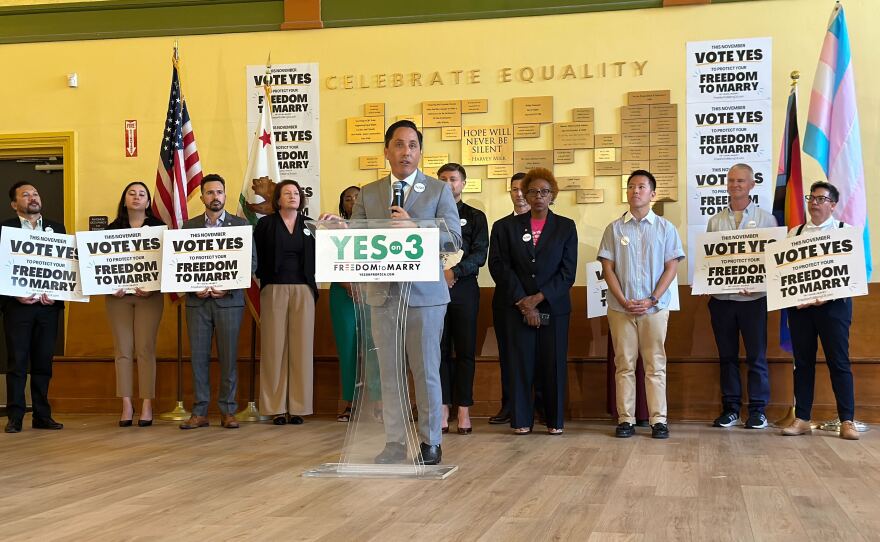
(179, 412)
(789, 417)
(251, 413)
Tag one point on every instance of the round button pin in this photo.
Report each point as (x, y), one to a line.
(624, 240)
(527, 237)
(419, 187)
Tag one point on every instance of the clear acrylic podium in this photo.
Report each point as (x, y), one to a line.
(382, 409)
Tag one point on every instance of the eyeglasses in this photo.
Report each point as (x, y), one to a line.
(818, 199)
(544, 192)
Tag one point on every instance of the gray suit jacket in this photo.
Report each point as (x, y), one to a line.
(235, 298)
(435, 201)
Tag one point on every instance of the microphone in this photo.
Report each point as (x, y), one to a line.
(397, 196)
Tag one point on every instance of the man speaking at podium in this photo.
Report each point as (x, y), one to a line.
(409, 193)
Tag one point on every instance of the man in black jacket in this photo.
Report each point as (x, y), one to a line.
(30, 324)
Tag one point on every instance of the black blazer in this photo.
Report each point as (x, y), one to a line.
(269, 253)
(521, 269)
(16, 223)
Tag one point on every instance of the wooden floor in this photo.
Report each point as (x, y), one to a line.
(94, 481)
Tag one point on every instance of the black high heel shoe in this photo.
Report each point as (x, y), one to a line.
(145, 423)
(124, 423)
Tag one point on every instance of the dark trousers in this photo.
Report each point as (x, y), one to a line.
(730, 319)
(829, 322)
(31, 331)
(537, 354)
(499, 319)
(202, 321)
(460, 337)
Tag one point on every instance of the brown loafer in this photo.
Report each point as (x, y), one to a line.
(228, 421)
(194, 422)
(848, 430)
(798, 427)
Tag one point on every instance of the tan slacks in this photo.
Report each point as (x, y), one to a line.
(632, 335)
(287, 330)
(134, 322)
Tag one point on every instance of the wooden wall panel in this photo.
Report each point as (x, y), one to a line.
(84, 380)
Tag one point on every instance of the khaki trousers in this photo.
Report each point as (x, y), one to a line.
(287, 329)
(632, 335)
(134, 322)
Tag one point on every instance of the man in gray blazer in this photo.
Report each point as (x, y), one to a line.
(213, 309)
(423, 198)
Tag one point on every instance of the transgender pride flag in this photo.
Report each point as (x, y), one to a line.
(832, 135)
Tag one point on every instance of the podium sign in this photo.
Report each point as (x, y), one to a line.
(377, 255)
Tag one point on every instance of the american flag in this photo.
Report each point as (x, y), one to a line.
(179, 173)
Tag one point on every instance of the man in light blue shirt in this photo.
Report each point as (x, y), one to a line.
(640, 252)
(743, 313)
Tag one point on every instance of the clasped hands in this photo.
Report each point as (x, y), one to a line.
(33, 299)
(528, 307)
(637, 306)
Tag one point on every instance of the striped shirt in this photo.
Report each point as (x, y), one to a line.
(753, 217)
(640, 250)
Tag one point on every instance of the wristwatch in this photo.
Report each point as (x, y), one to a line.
(653, 299)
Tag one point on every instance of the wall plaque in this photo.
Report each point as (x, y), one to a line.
(605, 155)
(371, 162)
(636, 153)
(499, 171)
(607, 168)
(526, 160)
(374, 110)
(629, 166)
(382, 173)
(666, 180)
(473, 186)
(433, 162)
(564, 156)
(590, 195)
(664, 166)
(489, 144)
(635, 112)
(647, 97)
(441, 113)
(664, 153)
(660, 139)
(533, 109)
(664, 111)
(635, 126)
(521, 131)
(664, 124)
(583, 114)
(635, 140)
(573, 135)
(417, 119)
(450, 133)
(607, 140)
(365, 130)
(665, 194)
(475, 106)
(576, 182)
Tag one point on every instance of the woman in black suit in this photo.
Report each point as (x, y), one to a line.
(286, 269)
(535, 261)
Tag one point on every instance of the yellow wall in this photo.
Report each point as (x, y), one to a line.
(128, 79)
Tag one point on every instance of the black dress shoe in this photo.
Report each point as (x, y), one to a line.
(624, 430)
(431, 454)
(503, 417)
(13, 426)
(295, 420)
(394, 452)
(144, 423)
(46, 423)
(659, 430)
(124, 423)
